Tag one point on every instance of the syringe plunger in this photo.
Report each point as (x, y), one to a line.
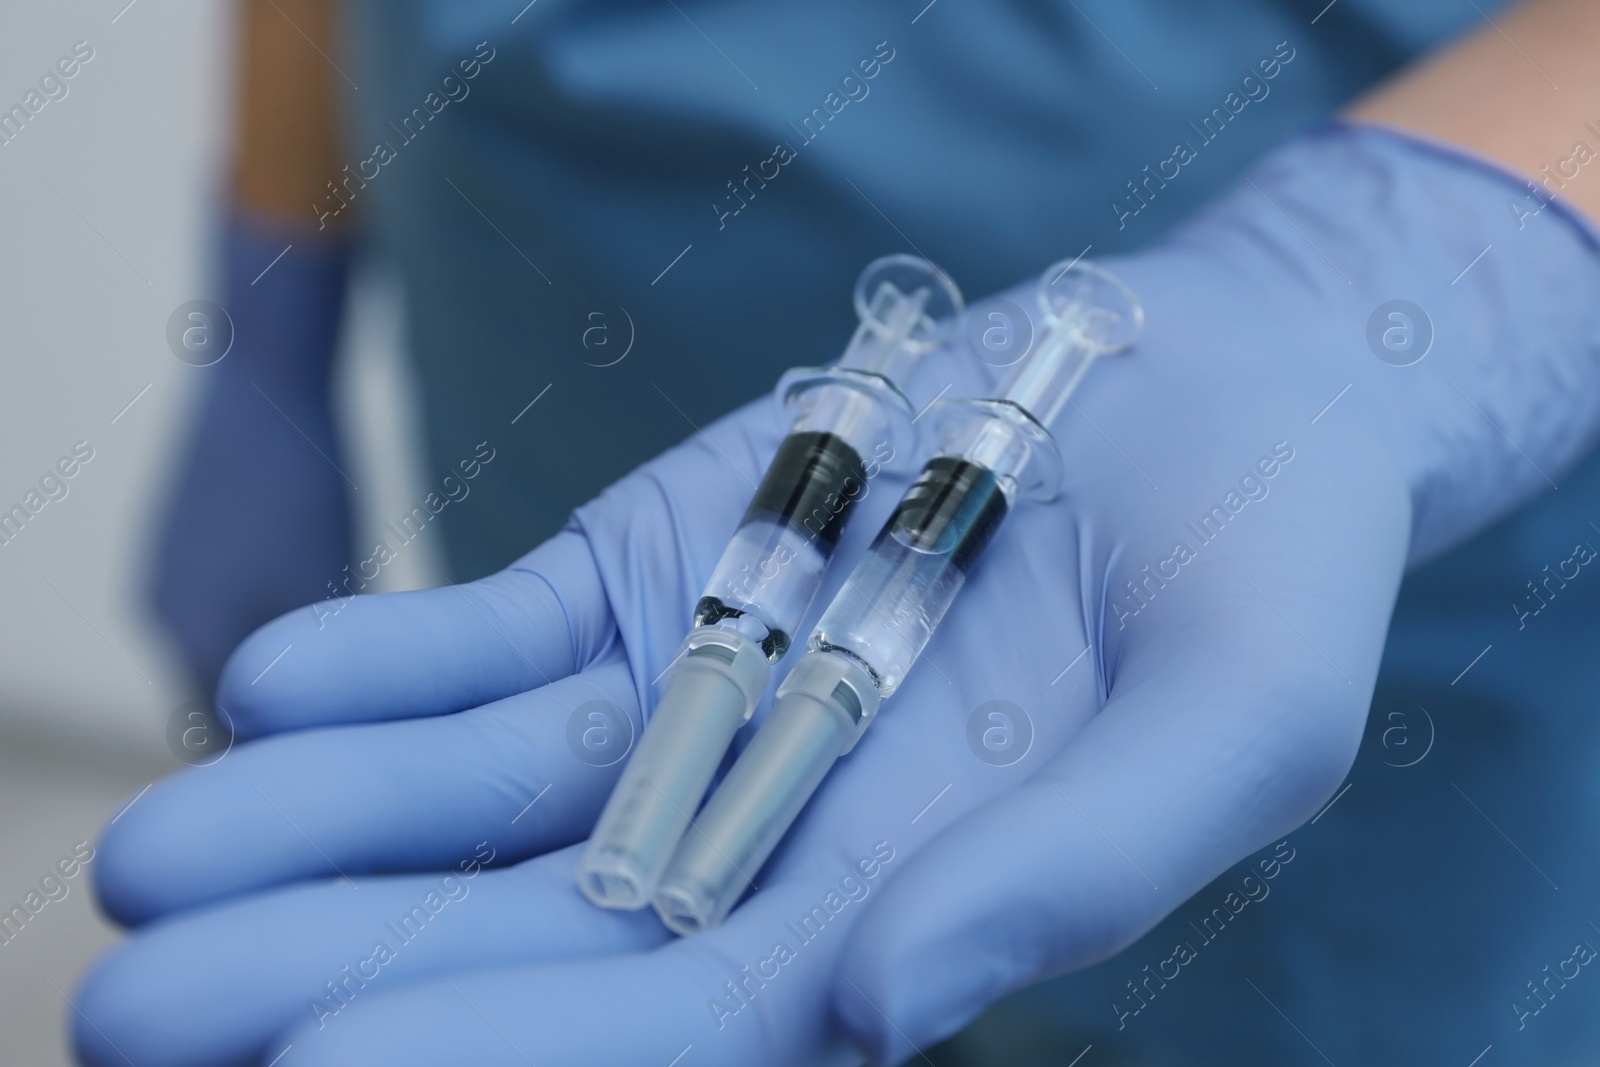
(1088, 313)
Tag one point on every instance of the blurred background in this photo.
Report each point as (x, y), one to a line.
(110, 194)
(107, 194)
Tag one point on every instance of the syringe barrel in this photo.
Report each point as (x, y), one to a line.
(890, 605)
(816, 718)
(768, 574)
(849, 420)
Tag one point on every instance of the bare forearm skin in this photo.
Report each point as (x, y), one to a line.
(286, 131)
(1524, 90)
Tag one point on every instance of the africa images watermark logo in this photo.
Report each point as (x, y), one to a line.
(1399, 332)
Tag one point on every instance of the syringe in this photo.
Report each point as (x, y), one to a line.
(989, 453)
(849, 420)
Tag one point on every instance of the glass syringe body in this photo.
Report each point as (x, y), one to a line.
(897, 595)
(772, 567)
(847, 420)
(889, 607)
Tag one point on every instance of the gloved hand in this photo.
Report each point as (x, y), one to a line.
(259, 521)
(1193, 631)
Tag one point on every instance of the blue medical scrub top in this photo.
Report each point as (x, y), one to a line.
(634, 215)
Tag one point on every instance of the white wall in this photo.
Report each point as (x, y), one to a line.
(132, 146)
(136, 147)
(86, 680)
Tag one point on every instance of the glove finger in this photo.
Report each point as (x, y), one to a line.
(405, 655)
(527, 774)
(216, 986)
(699, 1000)
(1234, 713)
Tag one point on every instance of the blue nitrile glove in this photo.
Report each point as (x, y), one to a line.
(1188, 705)
(259, 522)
